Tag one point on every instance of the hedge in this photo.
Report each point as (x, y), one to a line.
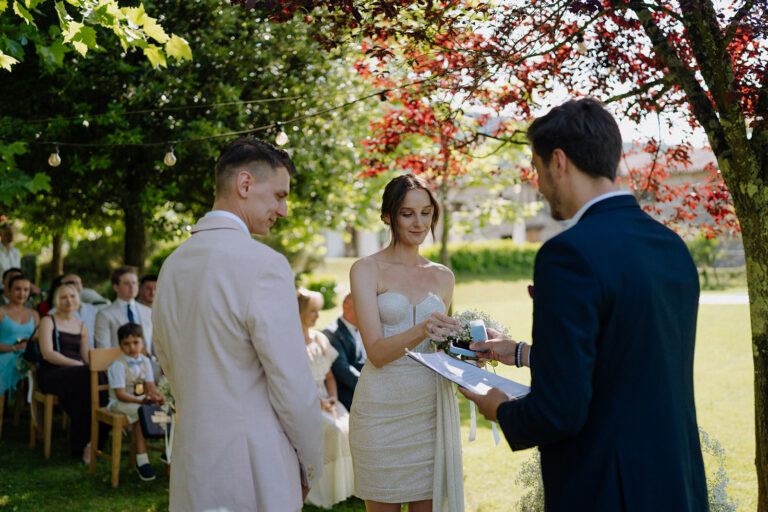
(488, 258)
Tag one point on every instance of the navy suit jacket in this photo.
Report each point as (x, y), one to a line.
(346, 368)
(611, 406)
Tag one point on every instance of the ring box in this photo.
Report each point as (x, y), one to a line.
(477, 328)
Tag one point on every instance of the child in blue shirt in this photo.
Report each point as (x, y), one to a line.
(132, 384)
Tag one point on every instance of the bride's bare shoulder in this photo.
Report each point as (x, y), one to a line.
(367, 265)
(441, 271)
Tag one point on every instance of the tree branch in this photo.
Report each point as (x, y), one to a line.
(685, 78)
(634, 92)
(733, 26)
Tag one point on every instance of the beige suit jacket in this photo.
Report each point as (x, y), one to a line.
(109, 320)
(228, 335)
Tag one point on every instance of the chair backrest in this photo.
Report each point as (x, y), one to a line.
(100, 359)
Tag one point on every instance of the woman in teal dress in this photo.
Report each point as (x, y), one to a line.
(16, 322)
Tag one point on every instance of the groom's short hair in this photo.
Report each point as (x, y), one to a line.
(586, 132)
(252, 155)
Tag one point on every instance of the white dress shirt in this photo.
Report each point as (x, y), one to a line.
(569, 223)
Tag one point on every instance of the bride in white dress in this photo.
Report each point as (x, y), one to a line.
(337, 482)
(404, 422)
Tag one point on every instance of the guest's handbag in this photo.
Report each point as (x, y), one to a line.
(154, 421)
(32, 351)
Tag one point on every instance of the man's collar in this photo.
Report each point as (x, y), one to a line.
(352, 328)
(124, 303)
(569, 223)
(229, 215)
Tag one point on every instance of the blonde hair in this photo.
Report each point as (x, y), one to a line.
(57, 293)
(304, 297)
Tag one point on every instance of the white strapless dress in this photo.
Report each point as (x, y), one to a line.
(404, 421)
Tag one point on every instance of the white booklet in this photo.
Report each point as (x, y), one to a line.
(468, 375)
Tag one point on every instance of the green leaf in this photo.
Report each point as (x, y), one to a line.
(6, 61)
(135, 15)
(154, 30)
(64, 17)
(39, 183)
(178, 48)
(3, 5)
(155, 55)
(105, 15)
(23, 13)
(53, 56)
(82, 37)
(14, 49)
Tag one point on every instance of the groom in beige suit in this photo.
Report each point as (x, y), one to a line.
(228, 335)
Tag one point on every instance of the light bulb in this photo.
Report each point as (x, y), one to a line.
(54, 160)
(170, 158)
(281, 139)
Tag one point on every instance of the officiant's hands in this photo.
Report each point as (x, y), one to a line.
(488, 403)
(498, 347)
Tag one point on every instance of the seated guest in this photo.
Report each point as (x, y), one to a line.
(46, 305)
(64, 370)
(124, 309)
(337, 482)
(345, 338)
(86, 312)
(5, 298)
(16, 322)
(147, 288)
(132, 384)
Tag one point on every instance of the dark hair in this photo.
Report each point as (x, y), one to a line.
(129, 329)
(246, 151)
(148, 277)
(8, 271)
(586, 132)
(20, 277)
(121, 271)
(394, 195)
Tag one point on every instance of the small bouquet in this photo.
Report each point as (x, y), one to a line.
(164, 387)
(22, 365)
(464, 336)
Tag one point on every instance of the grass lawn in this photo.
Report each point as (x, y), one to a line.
(724, 399)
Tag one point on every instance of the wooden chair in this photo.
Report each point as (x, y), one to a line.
(100, 359)
(46, 401)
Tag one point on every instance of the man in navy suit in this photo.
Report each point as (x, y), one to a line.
(345, 338)
(615, 301)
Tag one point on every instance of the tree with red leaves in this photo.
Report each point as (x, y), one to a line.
(698, 60)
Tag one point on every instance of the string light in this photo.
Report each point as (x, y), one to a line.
(170, 158)
(282, 138)
(54, 160)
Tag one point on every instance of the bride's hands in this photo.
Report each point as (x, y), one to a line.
(439, 325)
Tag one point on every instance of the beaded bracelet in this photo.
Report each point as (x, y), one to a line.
(519, 355)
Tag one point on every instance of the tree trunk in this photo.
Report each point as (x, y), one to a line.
(57, 260)
(135, 251)
(445, 229)
(757, 283)
(753, 219)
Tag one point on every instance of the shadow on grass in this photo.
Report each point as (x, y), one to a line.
(61, 483)
(31, 483)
